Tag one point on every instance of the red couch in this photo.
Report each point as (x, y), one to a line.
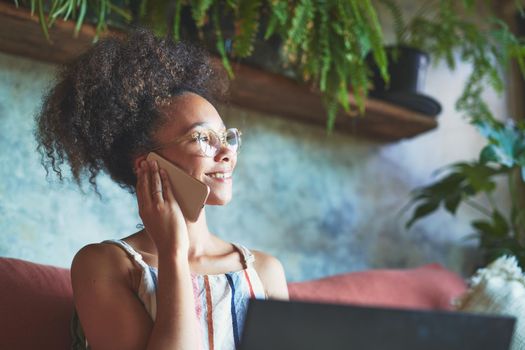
(36, 300)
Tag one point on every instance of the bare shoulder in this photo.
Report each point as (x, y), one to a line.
(99, 260)
(111, 315)
(272, 275)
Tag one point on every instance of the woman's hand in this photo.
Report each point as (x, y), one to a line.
(159, 210)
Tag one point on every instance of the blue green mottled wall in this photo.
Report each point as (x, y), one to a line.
(323, 205)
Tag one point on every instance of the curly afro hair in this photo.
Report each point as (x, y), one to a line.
(104, 106)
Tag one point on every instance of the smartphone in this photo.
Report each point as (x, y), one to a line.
(190, 193)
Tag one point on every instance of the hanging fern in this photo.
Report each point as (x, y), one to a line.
(246, 26)
(298, 29)
(325, 41)
(278, 17)
(220, 42)
(397, 16)
(199, 10)
(74, 9)
(156, 15)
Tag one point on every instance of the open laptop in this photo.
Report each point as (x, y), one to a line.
(290, 325)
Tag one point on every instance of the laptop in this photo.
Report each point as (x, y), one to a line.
(290, 325)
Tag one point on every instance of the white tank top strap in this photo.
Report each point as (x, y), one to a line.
(148, 283)
(129, 249)
(248, 256)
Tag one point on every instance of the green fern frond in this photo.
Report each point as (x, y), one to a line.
(82, 13)
(42, 18)
(246, 26)
(376, 41)
(331, 108)
(176, 21)
(324, 43)
(397, 16)
(155, 15)
(233, 4)
(220, 42)
(302, 16)
(199, 9)
(278, 17)
(124, 13)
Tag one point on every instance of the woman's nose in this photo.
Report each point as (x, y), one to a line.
(224, 154)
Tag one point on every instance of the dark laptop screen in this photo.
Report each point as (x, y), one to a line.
(284, 325)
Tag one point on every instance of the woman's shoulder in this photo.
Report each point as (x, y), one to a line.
(265, 261)
(100, 260)
(271, 273)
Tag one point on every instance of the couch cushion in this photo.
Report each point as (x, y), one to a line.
(36, 305)
(426, 287)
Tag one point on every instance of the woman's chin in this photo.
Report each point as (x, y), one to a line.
(218, 200)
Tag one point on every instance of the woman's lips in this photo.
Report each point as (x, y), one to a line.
(220, 176)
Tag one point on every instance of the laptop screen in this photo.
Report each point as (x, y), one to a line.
(276, 325)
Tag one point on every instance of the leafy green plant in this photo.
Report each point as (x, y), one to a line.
(325, 42)
(499, 232)
(454, 31)
(463, 31)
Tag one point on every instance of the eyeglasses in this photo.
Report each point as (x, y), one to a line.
(211, 141)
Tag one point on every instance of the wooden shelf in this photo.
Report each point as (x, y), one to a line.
(252, 88)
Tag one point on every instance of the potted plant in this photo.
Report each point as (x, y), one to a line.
(450, 31)
(500, 231)
(453, 31)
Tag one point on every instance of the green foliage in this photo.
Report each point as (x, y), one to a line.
(246, 24)
(199, 9)
(503, 156)
(469, 31)
(74, 9)
(325, 41)
(463, 31)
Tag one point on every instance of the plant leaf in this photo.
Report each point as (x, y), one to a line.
(452, 202)
(246, 26)
(421, 211)
(488, 154)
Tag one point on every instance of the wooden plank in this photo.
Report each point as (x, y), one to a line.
(21, 34)
(252, 88)
(275, 94)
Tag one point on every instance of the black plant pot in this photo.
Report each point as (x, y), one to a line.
(407, 68)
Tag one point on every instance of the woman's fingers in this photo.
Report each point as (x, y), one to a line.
(143, 188)
(156, 183)
(138, 191)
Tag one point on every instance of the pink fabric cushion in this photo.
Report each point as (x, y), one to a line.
(36, 300)
(36, 304)
(427, 287)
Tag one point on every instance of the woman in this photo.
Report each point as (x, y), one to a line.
(173, 284)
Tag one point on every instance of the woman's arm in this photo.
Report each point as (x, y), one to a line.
(110, 313)
(176, 325)
(272, 275)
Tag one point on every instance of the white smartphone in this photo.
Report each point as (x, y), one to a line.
(190, 193)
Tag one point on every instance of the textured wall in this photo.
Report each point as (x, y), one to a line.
(321, 204)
